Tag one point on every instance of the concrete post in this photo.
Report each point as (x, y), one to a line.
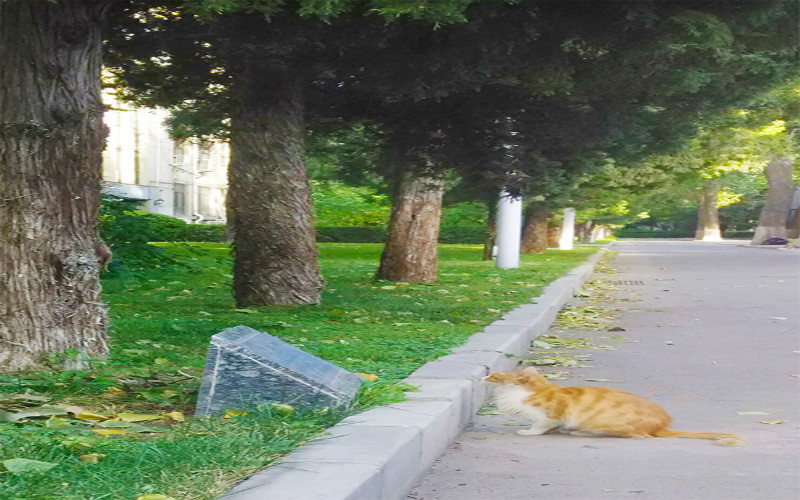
(509, 230)
(566, 242)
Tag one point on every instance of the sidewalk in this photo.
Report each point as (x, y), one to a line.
(380, 453)
(711, 333)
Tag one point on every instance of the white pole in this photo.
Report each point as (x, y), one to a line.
(509, 230)
(567, 240)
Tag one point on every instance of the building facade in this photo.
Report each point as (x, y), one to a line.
(183, 179)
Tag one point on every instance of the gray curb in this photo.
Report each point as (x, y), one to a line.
(379, 454)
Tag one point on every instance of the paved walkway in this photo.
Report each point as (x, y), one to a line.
(717, 334)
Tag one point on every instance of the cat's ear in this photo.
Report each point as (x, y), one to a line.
(531, 370)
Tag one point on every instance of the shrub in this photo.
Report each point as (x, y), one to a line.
(363, 234)
(128, 234)
(373, 234)
(212, 233)
(462, 234)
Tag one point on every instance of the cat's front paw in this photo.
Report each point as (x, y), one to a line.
(531, 432)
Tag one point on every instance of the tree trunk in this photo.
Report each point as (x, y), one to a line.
(774, 215)
(534, 233)
(553, 234)
(51, 139)
(584, 231)
(708, 213)
(274, 247)
(411, 251)
(491, 232)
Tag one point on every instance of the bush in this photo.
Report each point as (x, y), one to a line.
(462, 234)
(650, 233)
(128, 233)
(363, 234)
(371, 234)
(163, 227)
(211, 233)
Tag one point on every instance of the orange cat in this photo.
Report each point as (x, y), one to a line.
(585, 410)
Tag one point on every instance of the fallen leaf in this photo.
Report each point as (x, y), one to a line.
(245, 311)
(371, 377)
(91, 416)
(19, 466)
(108, 432)
(282, 409)
(31, 397)
(773, 422)
(137, 417)
(91, 458)
(34, 412)
(176, 416)
(234, 413)
(78, 443)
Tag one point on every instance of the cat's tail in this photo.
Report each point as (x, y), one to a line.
(718, 437)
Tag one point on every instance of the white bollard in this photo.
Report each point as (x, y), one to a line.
(509, 231)
(567, 240)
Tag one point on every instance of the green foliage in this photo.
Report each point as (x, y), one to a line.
(377, 234)
(465, 214)
(336, 204)
(128, 233)
(462, 234)
(371, 234)
(213, 233)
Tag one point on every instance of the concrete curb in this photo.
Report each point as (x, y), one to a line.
(379, 454)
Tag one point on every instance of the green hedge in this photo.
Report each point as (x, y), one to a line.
(377, 234)
(203, 232)
(638, 233)
(363, 234)
(462, 234)
(157, 227)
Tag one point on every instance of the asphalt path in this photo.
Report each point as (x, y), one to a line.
(711, 332)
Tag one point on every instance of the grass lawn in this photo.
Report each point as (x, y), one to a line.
(162, 321)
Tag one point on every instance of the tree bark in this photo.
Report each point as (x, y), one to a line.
(274, 247)
(774, 215)
(553, 235)
(708, 213)
(491, 232)
(411, 251)
(534, 233)
(51, 139)
(584, 231)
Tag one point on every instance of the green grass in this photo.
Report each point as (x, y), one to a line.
(162, 321)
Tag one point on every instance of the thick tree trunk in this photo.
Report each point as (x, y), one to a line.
(491, 232)
(411, 251)
(774, 215)
(51, 139)
(274, 248)
(534, 233)
(708, 213)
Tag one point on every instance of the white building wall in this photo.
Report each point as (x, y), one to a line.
(187, 180)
